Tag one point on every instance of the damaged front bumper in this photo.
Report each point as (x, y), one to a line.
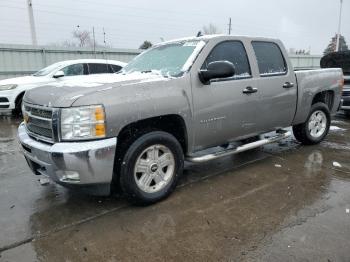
(85, 165)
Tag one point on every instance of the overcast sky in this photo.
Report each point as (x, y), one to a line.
(300, 24)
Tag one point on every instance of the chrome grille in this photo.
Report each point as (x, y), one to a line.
(38, 121)
(41, 113)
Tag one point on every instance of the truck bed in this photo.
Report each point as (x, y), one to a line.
(313, 81)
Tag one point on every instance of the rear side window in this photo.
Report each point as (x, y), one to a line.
(114, 68)
(95, 68)
(270, 59)
(234, 52)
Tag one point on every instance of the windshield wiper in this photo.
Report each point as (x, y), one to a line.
(154, 72)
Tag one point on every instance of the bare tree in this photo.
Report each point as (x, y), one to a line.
(83, 37)
(211, 29)
(68, 43)
(80, 39)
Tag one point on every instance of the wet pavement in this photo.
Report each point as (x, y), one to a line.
(283, 202)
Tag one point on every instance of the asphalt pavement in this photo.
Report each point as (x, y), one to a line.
(282, 202)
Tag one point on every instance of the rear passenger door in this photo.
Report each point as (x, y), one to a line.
(277, 87)
(97, 68)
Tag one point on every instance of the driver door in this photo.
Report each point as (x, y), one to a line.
(223, 111)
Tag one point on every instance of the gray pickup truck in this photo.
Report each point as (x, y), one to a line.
(193, 99)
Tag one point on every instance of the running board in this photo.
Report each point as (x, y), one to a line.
(281, 134)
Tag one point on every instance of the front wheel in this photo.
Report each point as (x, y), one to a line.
(316, 127)
(151, 167)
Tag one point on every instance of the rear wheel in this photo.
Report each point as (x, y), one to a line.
(151, 167)
(316, 127)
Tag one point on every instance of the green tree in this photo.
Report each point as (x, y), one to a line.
(145, 45)
(332, 45)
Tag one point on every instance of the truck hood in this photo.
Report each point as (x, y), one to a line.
(24, 80)
(65, 93)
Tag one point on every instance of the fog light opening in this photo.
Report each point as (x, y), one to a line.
(70, 176)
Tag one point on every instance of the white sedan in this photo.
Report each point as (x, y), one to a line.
(12, 90)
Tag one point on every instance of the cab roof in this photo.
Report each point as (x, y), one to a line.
(218, 36)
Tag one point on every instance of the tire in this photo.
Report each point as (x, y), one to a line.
(319, 118)
(18, 107)
(151, 167)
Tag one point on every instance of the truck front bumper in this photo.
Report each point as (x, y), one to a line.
(85, 165)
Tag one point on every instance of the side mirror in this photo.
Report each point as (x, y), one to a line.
(58, 74)
(217, 69)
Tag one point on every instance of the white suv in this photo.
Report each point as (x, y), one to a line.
(12, 90)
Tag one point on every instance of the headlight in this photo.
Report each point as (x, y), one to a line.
(7, 87)
(86, 122)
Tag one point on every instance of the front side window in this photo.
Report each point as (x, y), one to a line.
(270, 58)
(171, 59)
(73, 70)
(95, 68)
(234, 52)
(48, 70)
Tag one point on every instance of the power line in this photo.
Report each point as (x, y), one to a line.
(142, 21)
(111, 16)
(165, 11)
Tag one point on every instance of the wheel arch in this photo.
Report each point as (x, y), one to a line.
(19, 96)
(172, 123)
(326, 97)
(304, 106)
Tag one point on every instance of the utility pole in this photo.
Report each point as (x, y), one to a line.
(104, 36)
(229, 26)
(31, 22)
(104, 41)
(94, 44)
(339, 26)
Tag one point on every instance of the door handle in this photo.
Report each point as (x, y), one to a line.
(249, 90)
(288, 85)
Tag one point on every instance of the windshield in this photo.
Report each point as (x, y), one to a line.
(47, 70)
(169, 59)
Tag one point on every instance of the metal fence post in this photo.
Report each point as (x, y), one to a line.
(43, 55)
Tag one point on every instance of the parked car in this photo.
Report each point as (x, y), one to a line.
(194, 99)
(340, 60)
(12, 90)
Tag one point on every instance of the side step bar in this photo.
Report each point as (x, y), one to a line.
(281, 134)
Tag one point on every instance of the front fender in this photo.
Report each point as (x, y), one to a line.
(127, 104)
